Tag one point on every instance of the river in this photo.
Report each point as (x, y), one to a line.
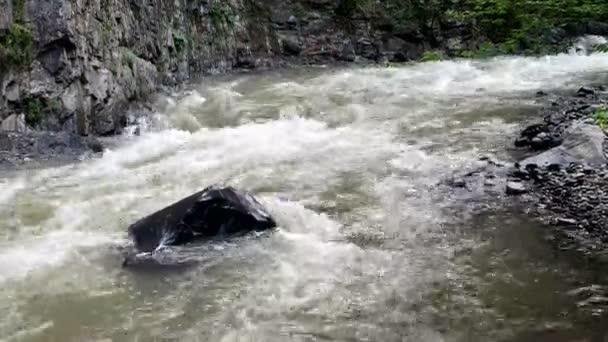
(350, 162)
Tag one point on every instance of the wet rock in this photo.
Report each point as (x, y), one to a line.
(347, 53)
(541, 93)
(214, 211)
(94, 144)
(291, 46)
(583, 143)
(597, 28)
(515, 188)
(6, 143)
(458, 183)
(585, 91)
(14, 123)
(565, 221)
(489, 182)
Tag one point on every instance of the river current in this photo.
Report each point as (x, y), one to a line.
(350, 162)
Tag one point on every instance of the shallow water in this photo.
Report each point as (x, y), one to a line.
(370, 247)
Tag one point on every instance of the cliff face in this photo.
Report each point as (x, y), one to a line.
(75, 65)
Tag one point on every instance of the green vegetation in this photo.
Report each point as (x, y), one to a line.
(222, 15)
(506, 26)
(601, 117)
(37, 108)
(16, 47)
(431, 56)
(179, 40)
(18, 10)
(601, 48)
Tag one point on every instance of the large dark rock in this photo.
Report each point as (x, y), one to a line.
(214, 211)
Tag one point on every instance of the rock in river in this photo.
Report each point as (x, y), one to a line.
(214, 211)
(583, 143)
(516, 188)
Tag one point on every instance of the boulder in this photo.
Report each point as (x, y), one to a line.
(583, 143)
(291, 45)
(14, 123)
(214, 211)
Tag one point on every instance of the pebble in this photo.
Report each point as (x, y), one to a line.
(515, 188)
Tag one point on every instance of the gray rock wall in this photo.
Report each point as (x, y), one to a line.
(90, 58)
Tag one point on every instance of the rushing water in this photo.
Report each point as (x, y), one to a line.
(371, 247)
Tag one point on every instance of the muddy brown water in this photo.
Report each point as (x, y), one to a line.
(370, 247)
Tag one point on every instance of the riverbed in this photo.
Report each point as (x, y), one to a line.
(371, 245)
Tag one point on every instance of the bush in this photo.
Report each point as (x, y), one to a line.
(431, 56)
(601, 117)
(16, 47)
(37, 108)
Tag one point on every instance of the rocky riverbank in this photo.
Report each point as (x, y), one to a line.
(565, 173)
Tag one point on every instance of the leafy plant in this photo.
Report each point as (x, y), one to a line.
(222, 15)
(431, 56)
(601, 117)
(18, 10)
(37, 108)
(33, 111)
(16, 47)
(601, 47)
(180, 42)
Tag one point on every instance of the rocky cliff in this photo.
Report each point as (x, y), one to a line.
(75, 65)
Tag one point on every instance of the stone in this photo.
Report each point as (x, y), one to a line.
(6, 143)
(52, 21)
(515, 188)
(582, 143)
(597, 28)
(41, 82)
(366, 49)
(98, 83)
(347, 53)
(291, 46)
(14, 123)
(146, 77)
(54, 60)
(6, 15)
(71, 98)
(458, 183)
(454, 43)
(212, 212)
(12, 92)
(585, 91)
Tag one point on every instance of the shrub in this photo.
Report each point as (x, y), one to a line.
(601, 117)
(16, 47)
(431, 56)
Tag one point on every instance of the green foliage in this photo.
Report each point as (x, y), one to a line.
(37, 108)
(601, 117)
(18, 10)
(16, 47)
(527, 25)
(508, 26)
(431, 56)
(601, 48)
(179, 40)
(222, 15)
(33, 111)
